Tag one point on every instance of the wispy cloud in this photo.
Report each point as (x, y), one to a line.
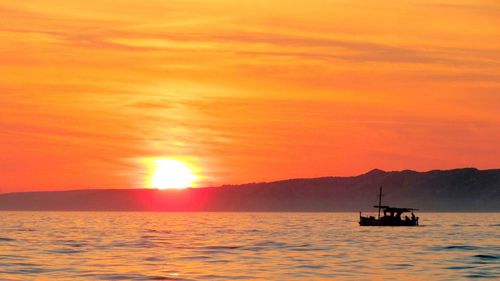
(253, 92)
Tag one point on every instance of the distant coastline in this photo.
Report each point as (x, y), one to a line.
(458, 190)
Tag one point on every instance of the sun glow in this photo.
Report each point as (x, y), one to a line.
(170, 173)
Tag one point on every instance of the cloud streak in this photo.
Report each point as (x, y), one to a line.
(249, 92)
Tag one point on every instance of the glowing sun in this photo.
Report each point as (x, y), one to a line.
(170, 173)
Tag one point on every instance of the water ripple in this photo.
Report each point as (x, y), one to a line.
(244, 246)
(6, 239)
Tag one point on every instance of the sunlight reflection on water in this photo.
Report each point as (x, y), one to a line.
(252, 246)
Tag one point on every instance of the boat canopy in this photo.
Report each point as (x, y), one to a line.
(395, 210)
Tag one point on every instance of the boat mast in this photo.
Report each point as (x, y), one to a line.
(379, 201)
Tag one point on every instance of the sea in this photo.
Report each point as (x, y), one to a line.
(245, 246)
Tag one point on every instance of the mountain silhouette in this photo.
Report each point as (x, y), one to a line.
(466, 189)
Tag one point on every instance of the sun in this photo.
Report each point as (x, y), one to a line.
(169, 173)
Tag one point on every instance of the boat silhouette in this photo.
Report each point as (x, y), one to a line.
(391, 217)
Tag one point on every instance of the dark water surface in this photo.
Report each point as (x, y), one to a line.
(245, 246)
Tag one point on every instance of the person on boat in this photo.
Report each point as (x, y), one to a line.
(398, 216)
(413, 216)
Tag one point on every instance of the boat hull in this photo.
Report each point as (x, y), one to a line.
(372, 221)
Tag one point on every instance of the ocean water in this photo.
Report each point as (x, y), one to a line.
(245, 246)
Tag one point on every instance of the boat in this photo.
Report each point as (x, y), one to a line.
(391, 217)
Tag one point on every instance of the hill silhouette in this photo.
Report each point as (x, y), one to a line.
(466, 189)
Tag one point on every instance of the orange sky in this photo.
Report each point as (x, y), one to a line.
(244, 91)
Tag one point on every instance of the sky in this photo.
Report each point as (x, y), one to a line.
(94, 92)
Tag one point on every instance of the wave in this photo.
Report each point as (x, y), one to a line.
(486, 257)
(6, 239)
(456, 247)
